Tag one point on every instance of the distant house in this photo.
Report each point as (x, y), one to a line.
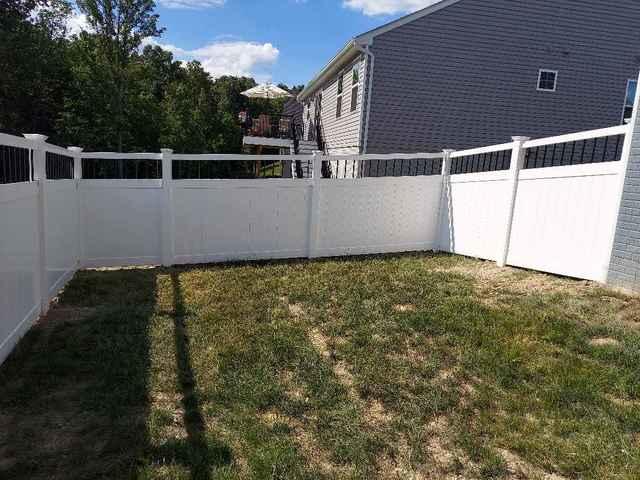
(466, 73)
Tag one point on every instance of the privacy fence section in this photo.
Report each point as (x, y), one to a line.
(548, 204)
(39, 247)
(554, 208)
(195, 220)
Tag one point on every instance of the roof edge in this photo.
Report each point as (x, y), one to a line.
(367, 37)
(343, 56)
(355, 44)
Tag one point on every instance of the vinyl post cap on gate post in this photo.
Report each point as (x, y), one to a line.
(35, 137)
(75, 149)
(166, 150)
(520, 138)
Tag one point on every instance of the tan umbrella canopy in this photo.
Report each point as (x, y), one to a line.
(266, 90)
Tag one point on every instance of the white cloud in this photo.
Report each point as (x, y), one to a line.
(77, 23)
(191, 4)
(387, 7)
(237, 58)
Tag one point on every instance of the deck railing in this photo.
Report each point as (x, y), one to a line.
(270, 126)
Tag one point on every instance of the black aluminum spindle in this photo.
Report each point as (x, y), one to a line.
(604, 152)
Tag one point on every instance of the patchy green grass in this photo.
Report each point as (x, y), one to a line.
(411, 366)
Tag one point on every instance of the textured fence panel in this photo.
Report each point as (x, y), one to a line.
(563, 219)
(377, 215)
(236, 219)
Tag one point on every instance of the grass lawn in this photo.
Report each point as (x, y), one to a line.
(393, 367)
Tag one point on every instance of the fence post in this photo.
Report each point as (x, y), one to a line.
(77, 176)
(314, 205)
(517, 163)
(40, 176)
(444, 194)
(77, 161)
(168, 234)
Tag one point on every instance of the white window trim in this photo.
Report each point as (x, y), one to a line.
(356, 68)
(555, 83)
(624, 103)
(340, 95)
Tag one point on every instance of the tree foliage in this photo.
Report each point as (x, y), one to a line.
(109, 89)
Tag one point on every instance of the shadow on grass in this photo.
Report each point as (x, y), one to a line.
(201, 455)
(74, 394)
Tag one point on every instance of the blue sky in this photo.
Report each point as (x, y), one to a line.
(278, 40)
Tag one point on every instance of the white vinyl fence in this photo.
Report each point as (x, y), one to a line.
(511, 203)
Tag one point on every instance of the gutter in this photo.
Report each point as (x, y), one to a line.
(364, 116)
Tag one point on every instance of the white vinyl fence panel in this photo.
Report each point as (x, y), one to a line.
(120, 222)
(563, 219)
(61, 232)
(474, 214)
(378, 215)
(19, 303)
(217, 220)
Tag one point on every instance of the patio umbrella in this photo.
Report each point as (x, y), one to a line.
(266, 90)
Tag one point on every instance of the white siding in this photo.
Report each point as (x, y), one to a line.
(341, 135)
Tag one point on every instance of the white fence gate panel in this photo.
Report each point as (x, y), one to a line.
(61, 232)
(18, 262)
(217, 220)
(121, 222)
(563, 219)
(474, 214)
(377, 215)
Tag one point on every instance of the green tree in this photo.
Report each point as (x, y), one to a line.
(189, 112)
(119, 26)
(34, 73)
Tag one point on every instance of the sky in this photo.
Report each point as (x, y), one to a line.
(282, 41)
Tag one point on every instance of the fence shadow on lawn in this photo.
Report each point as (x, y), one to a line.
(74, 395)
(199, 456)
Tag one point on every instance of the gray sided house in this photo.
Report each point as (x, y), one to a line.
(468, 73)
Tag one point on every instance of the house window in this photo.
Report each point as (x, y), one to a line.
(355, 80)
(630, 97)
(339, 95)
(547, 80)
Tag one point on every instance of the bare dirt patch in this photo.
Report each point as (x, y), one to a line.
(403, 308)
(604, 342)
(623, 402)
(520, 468)
(494, 283)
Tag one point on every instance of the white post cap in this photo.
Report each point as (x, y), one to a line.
(75, 149)
(519, 138)
(166, 150)
(35, 137)
(448, 151)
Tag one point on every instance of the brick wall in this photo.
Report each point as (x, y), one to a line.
(624, 270)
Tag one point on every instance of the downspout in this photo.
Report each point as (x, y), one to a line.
(364, 116)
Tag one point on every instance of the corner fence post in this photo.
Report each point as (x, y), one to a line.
(314, 205)
(444, 196)
(76, 152)
(517, 163)
(168, 233)
(40, 176)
